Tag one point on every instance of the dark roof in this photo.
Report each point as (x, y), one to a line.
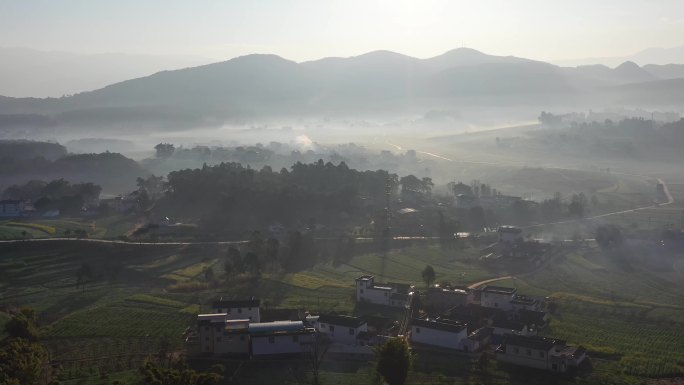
(531, 317)
(475, 311)
(506, 324)
(400, 287)
(532, 342)
(481, 334)
(365, 277)
(270, 315)
(440, 324)
(399, 296)
(523, 300)
(499, 289)
(341, 320)
(232, 304)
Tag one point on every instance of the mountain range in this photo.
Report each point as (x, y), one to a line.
(258, 85)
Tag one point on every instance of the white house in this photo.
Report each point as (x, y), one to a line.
(11, 208)
(540, 353)
(280, 338)
(238, 309)
(341, 328)
(221, 336)
(440, 333)
(497, 297)
(389, 294)
(510, 234)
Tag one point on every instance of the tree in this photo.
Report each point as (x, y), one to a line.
(164, 150)
(393, 361)
(180, 374)
(428, 275)
(83, 275)
(609, 237)
(23, 325)
(22, 362)
(234, 262)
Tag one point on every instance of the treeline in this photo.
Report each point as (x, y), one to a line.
(27, 149)
(58, 194)
(629, 137)
(112, 171)
(230, 197)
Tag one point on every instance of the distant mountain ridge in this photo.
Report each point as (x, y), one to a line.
(271, 85)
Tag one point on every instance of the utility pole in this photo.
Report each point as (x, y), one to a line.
(387, 230)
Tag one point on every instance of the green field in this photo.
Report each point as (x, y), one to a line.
(141, 297)
(22, 228)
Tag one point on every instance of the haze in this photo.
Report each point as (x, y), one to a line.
(341, 192)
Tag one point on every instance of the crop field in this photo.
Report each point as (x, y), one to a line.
(603, 301)
(635, 346)
(108, 227)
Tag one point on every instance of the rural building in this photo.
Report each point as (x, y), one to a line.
(442, 333)
(531, 318)
(222, 336)
(280, 338)
(540, 353)
(445, 297)
(238, 309)
(503, 327)
(464, 201)
(11, 208)
(341, 328)
(523, 302)
(510, 234)
(389, 294)
(497, 297)
(477, 340)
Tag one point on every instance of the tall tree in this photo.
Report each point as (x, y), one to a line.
(429, 275)
(393, 361)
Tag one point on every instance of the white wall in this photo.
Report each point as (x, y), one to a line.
(380, 297)
(280, 344)
(252, 314)
(519, 356)
(496, 300)
(232, 344)
(441, 338)
(341, 334)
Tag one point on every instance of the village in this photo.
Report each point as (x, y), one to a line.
(471, 321)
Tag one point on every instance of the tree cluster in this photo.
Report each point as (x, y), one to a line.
(57, 194)
(229, 196)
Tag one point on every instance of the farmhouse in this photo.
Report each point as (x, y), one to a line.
(341, 328)
(504, 327)
(497, 297)
(443, 297)
(442, 333)
(222, 336)
(280, 338)
(389, 294)
(540, 353)
(238, 309)
(510, 234)
(520, 302)
(11, 208)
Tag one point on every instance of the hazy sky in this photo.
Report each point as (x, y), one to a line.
(310, 29)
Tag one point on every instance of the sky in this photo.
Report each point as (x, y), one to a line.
(310, 29)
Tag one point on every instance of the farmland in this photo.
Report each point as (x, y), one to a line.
(142, 297)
